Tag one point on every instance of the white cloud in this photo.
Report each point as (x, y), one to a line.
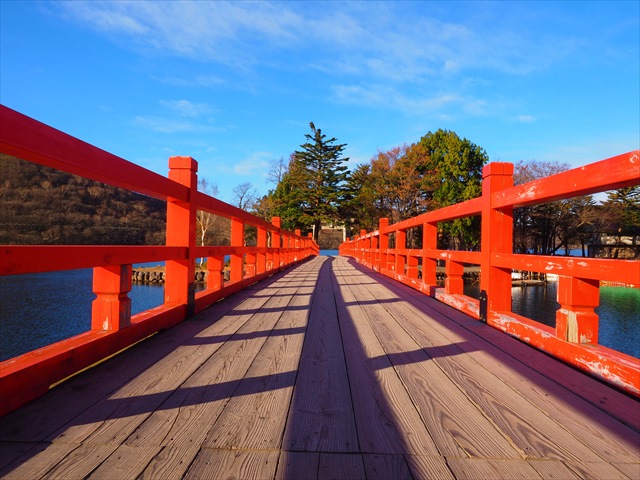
(389, 97)
(526, 118)
(399, 43)
(196, 81)
(186, 108)
(171, 125)
(256, 163)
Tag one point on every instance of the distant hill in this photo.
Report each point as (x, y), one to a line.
(44, 206)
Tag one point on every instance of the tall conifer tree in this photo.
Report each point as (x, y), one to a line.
(316, 181)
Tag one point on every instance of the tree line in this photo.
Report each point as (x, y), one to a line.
(315, 187)
(43, 206)
(312, 188)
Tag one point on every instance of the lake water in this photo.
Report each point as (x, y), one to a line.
(39, 309)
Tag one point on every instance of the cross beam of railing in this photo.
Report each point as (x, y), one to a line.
(113, 328)
(575, 337)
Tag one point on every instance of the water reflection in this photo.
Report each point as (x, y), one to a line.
(619, 312)
(39, 309)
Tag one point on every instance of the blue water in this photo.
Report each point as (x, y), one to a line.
(619, 312)
(40, 309)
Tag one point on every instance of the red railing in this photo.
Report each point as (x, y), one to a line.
(113, 328)
(575, 337)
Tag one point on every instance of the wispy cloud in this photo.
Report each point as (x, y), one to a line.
(195, 81)
(526, 118)
(186, 108)
(256, 163)
(375, 96)
(405, 43)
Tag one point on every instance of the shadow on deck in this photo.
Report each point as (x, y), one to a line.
(326, 371)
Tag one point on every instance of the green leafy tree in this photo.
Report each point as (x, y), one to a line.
(457, 165)
(624, 205)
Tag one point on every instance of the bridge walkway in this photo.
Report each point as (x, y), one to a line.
(326, 371)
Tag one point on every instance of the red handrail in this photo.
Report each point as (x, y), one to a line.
(575, 337)
(113, 328)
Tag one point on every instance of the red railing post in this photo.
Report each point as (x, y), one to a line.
(576, 320)
(454, 283)
(181, 231)
(429, 265)
(276, 242)
(384, 244)
(261, 262)
(375, 253)
(296, 245)
(237, 260)
(401, 245)
(497, 235)
(111, 310)
(361, 247)
(215, 275)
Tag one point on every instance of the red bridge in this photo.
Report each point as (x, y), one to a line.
(301, 366)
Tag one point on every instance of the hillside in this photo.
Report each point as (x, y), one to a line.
(40, 205)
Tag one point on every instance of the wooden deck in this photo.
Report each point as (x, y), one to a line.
(326, 371)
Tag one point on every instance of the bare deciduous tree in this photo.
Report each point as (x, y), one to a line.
(244, 196)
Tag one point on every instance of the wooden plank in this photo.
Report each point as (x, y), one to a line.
(589, 389)
(37, 461)
(255, 417)
(244, 464)
(125, 462)
(631, 470)
(458, 428)
(81, 393)
(321, 414)
(11, 451)
(385, 467)
(171, 462)
(553, 469)
(341, 466)
(294, 465)
(474, 468)
(598, 471)
(197, 403)
(386, 418)
(423, 466)
(533, 432)
(596, 429)
(134, 402)
(80, 462)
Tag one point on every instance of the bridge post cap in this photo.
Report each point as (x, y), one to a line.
(497, 168)
(188, 163)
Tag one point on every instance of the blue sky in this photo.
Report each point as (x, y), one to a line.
(235, 85)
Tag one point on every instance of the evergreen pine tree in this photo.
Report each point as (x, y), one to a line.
(317, 179)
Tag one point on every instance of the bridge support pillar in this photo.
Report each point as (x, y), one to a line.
(576, 320)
